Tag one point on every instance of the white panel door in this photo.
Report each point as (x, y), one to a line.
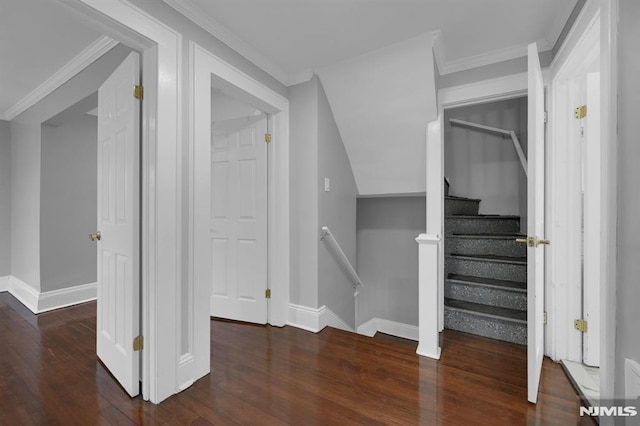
(592, 243)
(239, 224)
(535, 224)
(118, 320)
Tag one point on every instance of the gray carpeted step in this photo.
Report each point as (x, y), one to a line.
(489, 321)
(487, 266)
(460, 206)
(481, 224)
(497, 244)
(487, 291)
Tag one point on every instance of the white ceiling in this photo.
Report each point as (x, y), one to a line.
(37, 38)
(290, 37)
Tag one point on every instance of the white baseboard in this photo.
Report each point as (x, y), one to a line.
(314, 319)
(398, 329)
(42, 302)
(62, 298)
(329, 318)
(631, 379)
(4, 283)
(26, 294)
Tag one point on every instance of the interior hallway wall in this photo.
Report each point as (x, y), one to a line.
(68, 204)
(388, 257)
(484, 165)
(303, 134)
(337, 210)
(5, 198)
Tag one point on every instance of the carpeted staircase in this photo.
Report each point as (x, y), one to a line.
(485, 273)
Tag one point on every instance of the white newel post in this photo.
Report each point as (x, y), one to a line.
(428, 298)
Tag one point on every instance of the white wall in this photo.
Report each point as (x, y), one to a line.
(337, 210)
(25, 202)
(5, 198)
(628, 235)
(382, 102)
(68, 203)
(483, 165)
(388, 257)
(303, 140)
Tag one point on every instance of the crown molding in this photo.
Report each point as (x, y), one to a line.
(222, 33)
(475, 61)
(78, 63)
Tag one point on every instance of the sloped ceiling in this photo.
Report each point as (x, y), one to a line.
(382, 102)
(37, 38)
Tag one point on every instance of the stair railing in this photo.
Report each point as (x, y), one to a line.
(502, 132)
(343, 259)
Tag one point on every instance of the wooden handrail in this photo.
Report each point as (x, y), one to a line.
(503, 132)
(357, 282)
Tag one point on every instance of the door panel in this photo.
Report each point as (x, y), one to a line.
(239, 223)
(535, 224)
(118, 314)
(592, 219)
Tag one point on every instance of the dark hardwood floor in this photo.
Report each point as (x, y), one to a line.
(49, 375)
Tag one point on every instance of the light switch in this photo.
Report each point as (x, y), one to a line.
(327, 185)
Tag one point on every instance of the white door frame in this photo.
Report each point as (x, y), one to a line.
(161, 184)
(565, 302)
(205, 66)
(570, 56)
(516, 85)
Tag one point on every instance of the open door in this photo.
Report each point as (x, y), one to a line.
(118, 315)
(239, 220)
(535, 225)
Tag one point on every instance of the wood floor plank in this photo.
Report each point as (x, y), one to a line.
(263, 375)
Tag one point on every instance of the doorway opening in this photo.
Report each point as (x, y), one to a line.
(576, 208)
(485, 213)
(239, 205)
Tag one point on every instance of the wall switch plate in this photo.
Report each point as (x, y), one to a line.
(327, 185)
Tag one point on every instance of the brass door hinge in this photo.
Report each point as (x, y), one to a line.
(138, 343)
(138, 92)
(267, 137)
(580, 112)
(267, 293)
(581, 325)
(544, 317)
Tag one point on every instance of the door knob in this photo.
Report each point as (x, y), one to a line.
(96, 236)
(531, 242)
(539, 241)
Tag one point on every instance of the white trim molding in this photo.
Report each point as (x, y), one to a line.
(219, 31)
(5, 283)
(393, 328)
(207, 70)
(487, 58)
(78, 63)
(510, 86)
(62, 298)
(631, 379)
(38, 302)
(26, 294)
(314, 319)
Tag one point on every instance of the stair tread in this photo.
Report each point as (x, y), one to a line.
(453, 197)
(491, 236)
(508, 314)
(481, 216)
(518, 286)
(491, 258)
